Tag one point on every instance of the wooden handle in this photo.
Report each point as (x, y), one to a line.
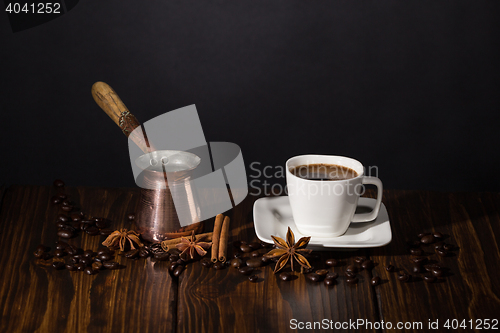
(111, 103)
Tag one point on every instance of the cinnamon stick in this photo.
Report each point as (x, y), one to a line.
(216, 236)
(224, 236)
(170, 243)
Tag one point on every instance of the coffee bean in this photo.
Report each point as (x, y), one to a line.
(367, 264)
(174, 257)
(205, 262)
(219, 265)
(375, 281)
(417, 252)
(76, 217)
(163, 256)
(67, 208)
(70, 267)
(92, 230)
(74, 260)
(58, 183)
(404, 277)
(237, 254)
(389, 268)
(429, 278)
(438, 235)
(245, 270)
(105, 256)
(253, 278)
(255, 245)
(88, 270)
(437, 272)
(88, 253)
(111, 265)
(442, 252)
(181, 261)
(416, 268)
(419, 260)
(332, 275)
(55, 200)
(143, 253)
(61, 225)
(237, 263)
(173, 265)
(255, 254)
(178, 270)
(359, 260)
(63, 218)
(322, 272)
(329, 282)
(80, 266)
(285, 276)
(352, 280)
(245, 248)
(63, 233)
(132, 254)
(448, 247)
(131, 216)
(96, 266)
(265, 260)
(254, 263)
(352, 269)
(332, 262)
(59, 253)
(427, 239)
(430, 267)
(350, 274)
(102, 250)
(314, 277)
(61, 245)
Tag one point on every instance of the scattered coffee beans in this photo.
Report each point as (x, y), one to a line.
(375, 281)
(285, 276)
(332, 262)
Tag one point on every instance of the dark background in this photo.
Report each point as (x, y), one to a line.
(409, 86)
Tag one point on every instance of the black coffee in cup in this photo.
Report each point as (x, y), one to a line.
(324, 172)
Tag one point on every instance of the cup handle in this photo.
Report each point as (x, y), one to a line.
(365, 217)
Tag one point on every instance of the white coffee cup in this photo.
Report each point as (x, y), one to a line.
(326, 208)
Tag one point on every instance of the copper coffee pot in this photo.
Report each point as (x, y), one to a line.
(157, 218)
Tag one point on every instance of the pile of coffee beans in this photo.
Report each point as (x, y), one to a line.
(421, 263)
(77, 259)
(246, 258)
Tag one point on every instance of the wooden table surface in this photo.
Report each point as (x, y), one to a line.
(143, 297)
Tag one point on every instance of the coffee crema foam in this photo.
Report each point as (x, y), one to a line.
(323, 172)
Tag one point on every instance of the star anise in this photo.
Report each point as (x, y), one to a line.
(191, 245)
(289, 250)
(120, 238)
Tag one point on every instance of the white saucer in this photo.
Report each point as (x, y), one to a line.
(273, 216)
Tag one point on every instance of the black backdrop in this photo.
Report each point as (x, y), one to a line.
(411, 87)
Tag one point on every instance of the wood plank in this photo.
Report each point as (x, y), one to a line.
(225, 301)
(470, 290)
(36, 298)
